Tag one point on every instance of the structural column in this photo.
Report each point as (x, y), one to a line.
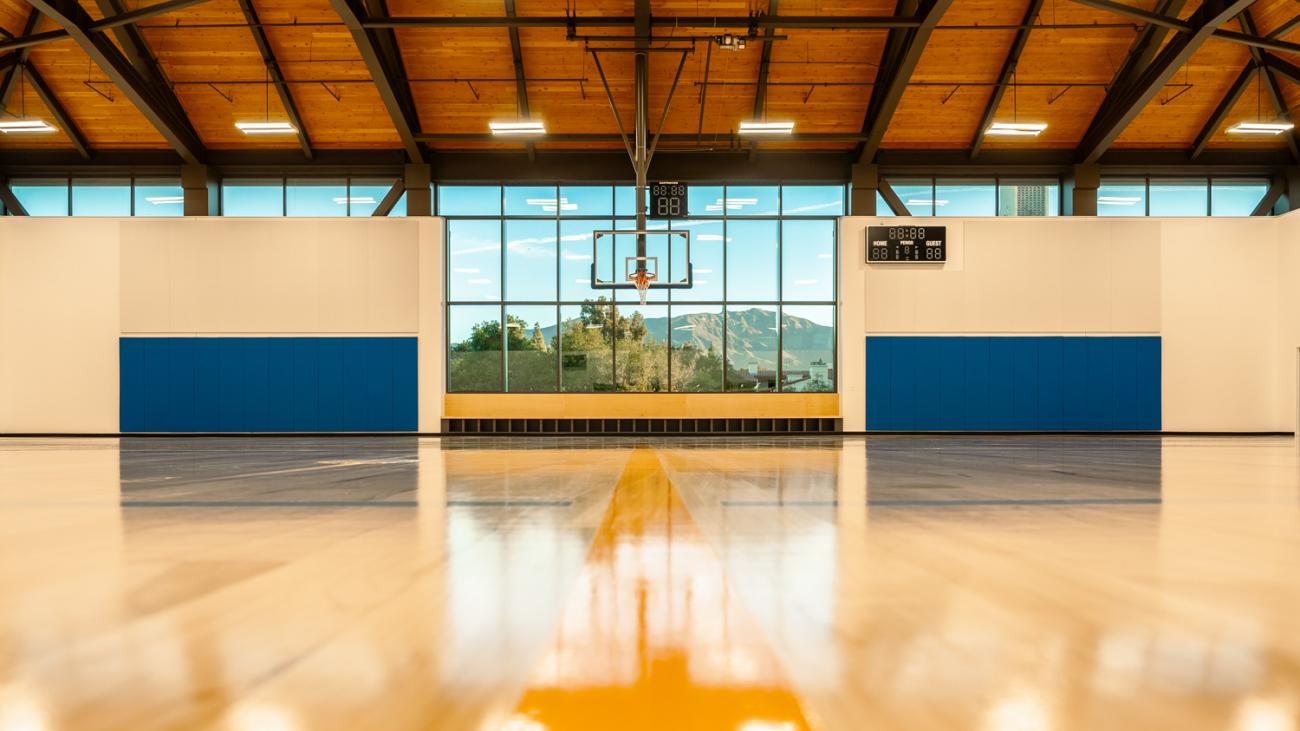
(1081, 190)
(202, 190)
(865, 185)
(419, 197)
(1292, 177)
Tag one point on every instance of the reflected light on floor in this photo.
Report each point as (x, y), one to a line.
(767, 726)
(263, 717)
(1022, 712)
(21, 711)
(519, 722)
(1264, 714)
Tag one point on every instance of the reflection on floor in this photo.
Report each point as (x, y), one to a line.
(758, 584)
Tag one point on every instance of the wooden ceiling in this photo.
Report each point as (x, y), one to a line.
(822, 80)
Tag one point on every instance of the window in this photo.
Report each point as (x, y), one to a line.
(1122, 198)
(917, 195)
(469, 200)
(42, 197)
(158, 198)
(364, 196)
(1179, 197)
(1230, 197)
(474, 260)
(812, 200)
(252, 197)
(92, 197)
(1029, 197)
(316, 198)
(474, 354)
(966, 198)
(808, 348)
(519, 275)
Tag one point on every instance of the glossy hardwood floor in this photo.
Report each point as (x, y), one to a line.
(755, 584)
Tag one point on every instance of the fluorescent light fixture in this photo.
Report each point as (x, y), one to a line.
(266, 128)
(165, 200)
(517, 128)
(927, 202)
(1118, 200)
(1260, 128)
(1016, 129)
(766, 128)
(25, 125)
(341, 200)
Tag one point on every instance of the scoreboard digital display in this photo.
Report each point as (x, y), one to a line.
(667, 200)
(914, 244)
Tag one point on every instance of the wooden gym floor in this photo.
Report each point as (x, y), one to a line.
(287, 584)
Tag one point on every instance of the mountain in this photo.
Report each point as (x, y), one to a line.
(753, 337)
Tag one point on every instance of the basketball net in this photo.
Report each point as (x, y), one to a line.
(642, 279)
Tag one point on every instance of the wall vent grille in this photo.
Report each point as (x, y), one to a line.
(642, 426)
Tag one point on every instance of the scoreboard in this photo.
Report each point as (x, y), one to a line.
(667, 200)
(897, 244)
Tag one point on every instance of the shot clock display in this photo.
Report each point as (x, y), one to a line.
(667, 200)
(914, 244)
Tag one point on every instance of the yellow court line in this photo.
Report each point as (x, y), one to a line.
(652, 638)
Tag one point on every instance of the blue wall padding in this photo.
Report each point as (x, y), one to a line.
(946, 383)
(268, 384)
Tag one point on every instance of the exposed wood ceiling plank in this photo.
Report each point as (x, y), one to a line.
(521, 82)
(895, 75)
(61, 117)
(1187, 26)
(827, 22)
(392, 89)
(1269, 80)
(1004, 78)
(161, 110)
(1123, 104)
(11, 75)
(1225, 106)
(28, 40)
(273, 71)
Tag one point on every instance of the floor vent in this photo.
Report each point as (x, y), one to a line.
(641, 426)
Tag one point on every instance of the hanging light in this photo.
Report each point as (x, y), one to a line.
(1015, 128)
(1260, 127)
(266, 127)
(23, 124)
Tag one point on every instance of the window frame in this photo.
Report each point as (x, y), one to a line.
(505, 302)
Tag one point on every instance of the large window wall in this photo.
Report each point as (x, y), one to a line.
(306, 197)
(1180, 196)
(99, 196)
(930, 196)
(522, 316)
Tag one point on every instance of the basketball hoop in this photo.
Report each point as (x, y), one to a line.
(642, 279)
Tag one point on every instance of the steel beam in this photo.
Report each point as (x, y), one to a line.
(161, 111)
(20, 59)
(1221, 112)
(1271, 196)
(27, 40)
(1189, 26)
(764, 65)
(1122, 105)
(1283, 29)
(521, 81)
(392, 90)
(273, 71)
(1147, 44)
(827, 22)
(734, 140)
(885, 99)
(1275, 96)
(391, 198)
(1004, 78)
(13, 206)
(60, 115)
(892, 200)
